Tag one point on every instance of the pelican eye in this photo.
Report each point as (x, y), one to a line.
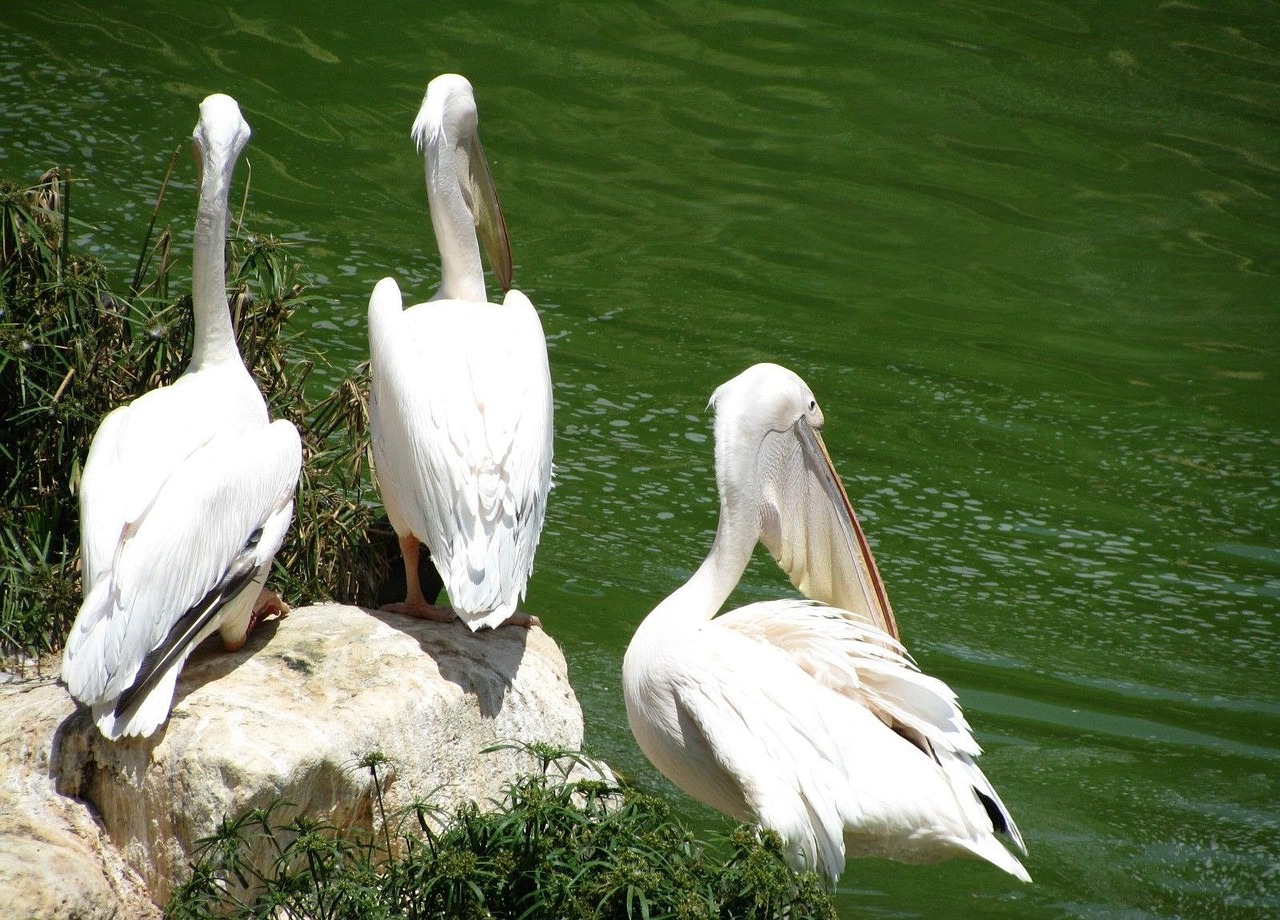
(813, 405)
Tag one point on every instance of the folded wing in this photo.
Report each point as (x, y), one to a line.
(219, 511)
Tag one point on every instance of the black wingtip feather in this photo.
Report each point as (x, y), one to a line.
(182, 635)
(999, 821)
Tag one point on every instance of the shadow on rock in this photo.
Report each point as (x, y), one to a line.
(483, 664)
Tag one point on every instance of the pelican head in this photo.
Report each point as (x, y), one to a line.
(448, 111)
(770, 462)
(765, 396)
(464, 203)
(763, 399)
(221, 134)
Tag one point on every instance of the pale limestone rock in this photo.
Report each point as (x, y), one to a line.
(287, 718)
(55, 859)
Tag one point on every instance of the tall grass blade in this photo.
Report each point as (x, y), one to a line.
(135, 287)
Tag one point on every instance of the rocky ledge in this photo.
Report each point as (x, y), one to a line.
(96, 829)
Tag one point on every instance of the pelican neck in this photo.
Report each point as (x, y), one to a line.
(214, 340)
(700, 598)
(461, 271)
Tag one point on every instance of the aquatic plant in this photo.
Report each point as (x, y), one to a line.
(553, 847)
(72, 349)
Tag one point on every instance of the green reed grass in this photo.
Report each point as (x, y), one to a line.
(74, 345)
(553, 847)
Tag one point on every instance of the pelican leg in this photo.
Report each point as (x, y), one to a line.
(414, 604)
(527, 620)
(268, 605)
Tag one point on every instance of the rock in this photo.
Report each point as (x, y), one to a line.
(55, 859)
(288, 718)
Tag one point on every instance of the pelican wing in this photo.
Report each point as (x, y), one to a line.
(111, 485)
(463, 439)
(530, 429)
(135, 449)
(177, 549)
(859, 662)
(810, 527)
(767, 739)
(872, 671)
(492, 403)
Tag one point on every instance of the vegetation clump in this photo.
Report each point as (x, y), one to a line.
(554, 847)
(73, 346)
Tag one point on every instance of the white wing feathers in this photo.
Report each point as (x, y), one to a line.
(779, 750)
(489, 518)
(177, 548)
(861, 664)
(463, 438)
(137, 446)
(793, 747)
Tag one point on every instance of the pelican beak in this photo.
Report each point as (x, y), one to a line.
(865, 572)
(491, 226)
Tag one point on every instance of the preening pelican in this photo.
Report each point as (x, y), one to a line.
(460, 399)
(797, 715)
(186, 494)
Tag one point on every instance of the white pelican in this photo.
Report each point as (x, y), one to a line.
(460, 400)
(798, 716)
(186, 494)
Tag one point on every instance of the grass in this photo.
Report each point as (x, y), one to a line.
(74, 344)
(554, 847)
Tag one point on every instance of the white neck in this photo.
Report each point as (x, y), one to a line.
(215, 341)
(461, 271)
(701, 597)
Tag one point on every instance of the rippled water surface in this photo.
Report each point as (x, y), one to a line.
(1025, 253)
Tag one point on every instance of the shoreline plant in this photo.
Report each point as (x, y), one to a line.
(553, 847)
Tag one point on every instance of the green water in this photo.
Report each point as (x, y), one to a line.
(1026, 253)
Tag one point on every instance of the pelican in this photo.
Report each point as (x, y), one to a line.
(460, 398)
(186, 494)
(798, 715)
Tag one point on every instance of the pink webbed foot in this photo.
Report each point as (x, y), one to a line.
(527, 620)
(422, 611)
(269, 604)
(414, 604)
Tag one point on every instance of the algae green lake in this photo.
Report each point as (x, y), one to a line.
(1027, 254)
